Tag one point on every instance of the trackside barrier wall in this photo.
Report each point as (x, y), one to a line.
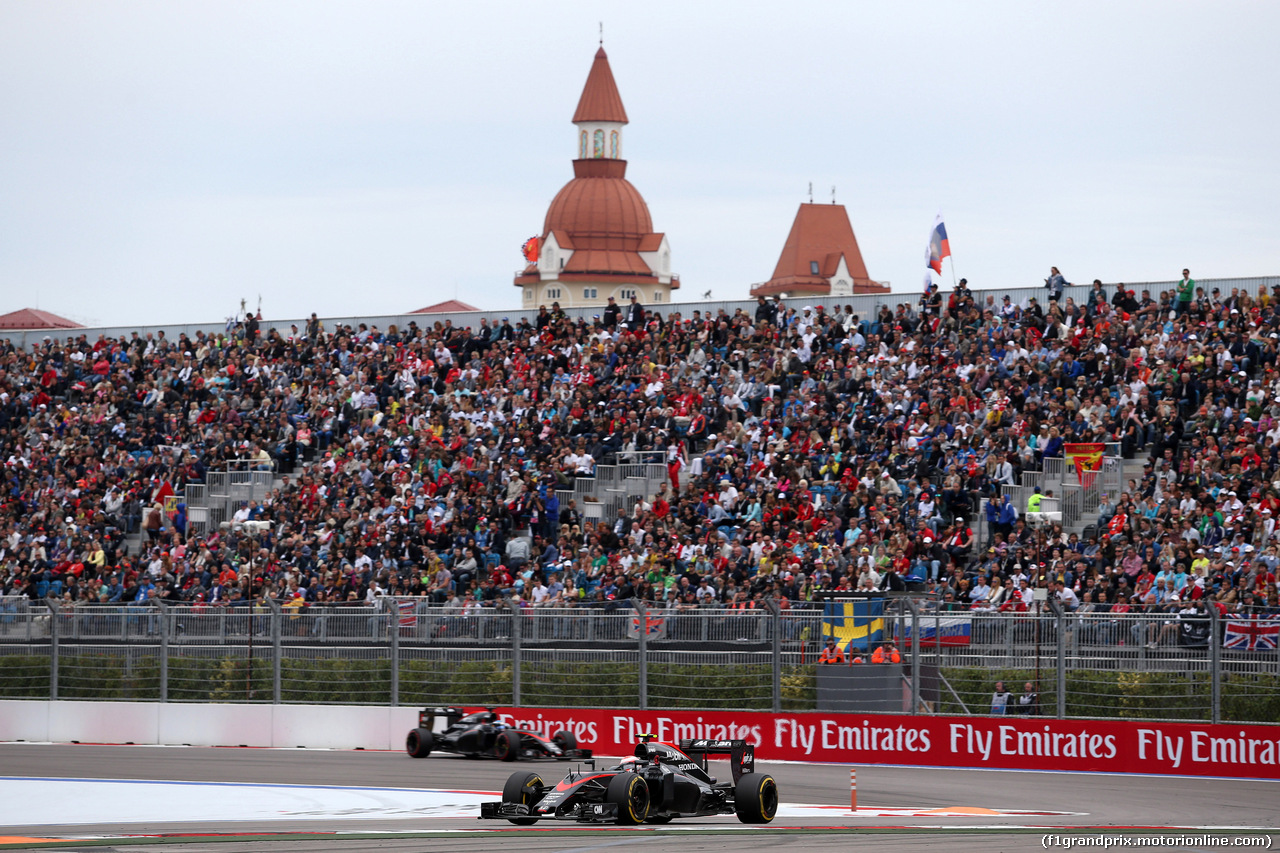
(994, 742)
(313, 726)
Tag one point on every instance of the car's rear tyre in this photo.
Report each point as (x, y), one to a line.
(755, 798)
(506, 747)
(526, 789)
(631, 794)
(419, 743)
(565, 740)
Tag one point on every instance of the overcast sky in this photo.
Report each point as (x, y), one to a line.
(161, 160)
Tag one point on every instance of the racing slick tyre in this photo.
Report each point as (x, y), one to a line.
(506, 747)
(522, 788)
(419, 743)
(631, 794)
(755, 798)
(565, 740)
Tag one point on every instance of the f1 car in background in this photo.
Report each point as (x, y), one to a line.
(660, 783)
(484, 735)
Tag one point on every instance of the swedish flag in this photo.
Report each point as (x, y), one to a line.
(856, 625)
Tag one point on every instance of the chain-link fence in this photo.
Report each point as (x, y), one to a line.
(1135, 666)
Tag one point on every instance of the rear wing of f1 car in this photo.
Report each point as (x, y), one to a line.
(427, 717)
(742, 755)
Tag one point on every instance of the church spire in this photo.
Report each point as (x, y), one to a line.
(600, 100)
(600, 117)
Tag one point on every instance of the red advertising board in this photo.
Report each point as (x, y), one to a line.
(996, 742)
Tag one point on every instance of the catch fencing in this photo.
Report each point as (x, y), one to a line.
(1086, 665)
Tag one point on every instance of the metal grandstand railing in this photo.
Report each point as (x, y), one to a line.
(616, 486)
(212, 503)
(1151, 665)
(1077, 501)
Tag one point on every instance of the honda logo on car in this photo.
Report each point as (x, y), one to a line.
(1005, 742)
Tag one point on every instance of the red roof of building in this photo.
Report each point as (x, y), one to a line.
(34, 318)
(600, 100)
(451, 306)
(821, 234)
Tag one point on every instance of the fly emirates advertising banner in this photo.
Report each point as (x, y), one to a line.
(998, 742)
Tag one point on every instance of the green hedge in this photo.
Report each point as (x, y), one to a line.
(580, 684)
(24, 677)
(1119, 694)
(477, 682)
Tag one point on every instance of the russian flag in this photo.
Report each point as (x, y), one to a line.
(939, 248)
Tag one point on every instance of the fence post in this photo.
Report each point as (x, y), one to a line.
(1010, 658)
(915, 655)
(1060, 624)
(1215, 666)
(643, 635)
(52, 604)
(775, 613)
(164, 648)
(395, 652)
(276, 624)
(515, 653)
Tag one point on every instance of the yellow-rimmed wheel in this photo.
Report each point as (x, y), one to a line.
(755, 798)
(631, 794)
(524, 789)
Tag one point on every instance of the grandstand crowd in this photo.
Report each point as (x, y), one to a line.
(808, 450)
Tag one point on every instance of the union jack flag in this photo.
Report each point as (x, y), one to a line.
(655, 627)
(1253, 633)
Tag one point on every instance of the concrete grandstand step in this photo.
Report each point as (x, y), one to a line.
(1132, 470)
(133, 542)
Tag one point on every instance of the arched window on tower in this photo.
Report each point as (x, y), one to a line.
(597, 144)
(582, 145)
(613, 144)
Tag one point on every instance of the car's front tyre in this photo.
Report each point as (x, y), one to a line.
(506, 747)
(523, 788)
(631, 795)
(565, 740)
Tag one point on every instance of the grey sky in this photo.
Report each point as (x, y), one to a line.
(158, 161)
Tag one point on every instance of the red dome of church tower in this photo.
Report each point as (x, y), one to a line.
(599, 203)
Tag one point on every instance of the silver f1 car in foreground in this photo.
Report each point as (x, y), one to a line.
(661, 782)
(484, 735)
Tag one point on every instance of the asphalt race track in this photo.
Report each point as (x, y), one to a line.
(374, 800)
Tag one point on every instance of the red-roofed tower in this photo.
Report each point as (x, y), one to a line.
(598, 239)
(821, 257)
